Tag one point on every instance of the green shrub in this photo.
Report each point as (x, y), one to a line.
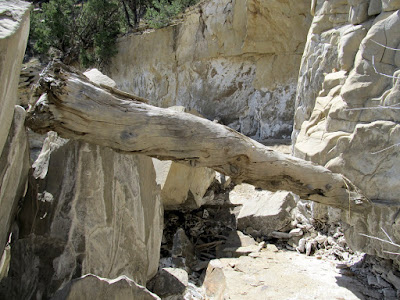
(162, 11)
(86, 30)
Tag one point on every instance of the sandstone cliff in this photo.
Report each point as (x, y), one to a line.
(347, 108)
(234, 61)
(14, 154)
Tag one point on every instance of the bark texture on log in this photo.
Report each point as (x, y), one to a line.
(78, 109)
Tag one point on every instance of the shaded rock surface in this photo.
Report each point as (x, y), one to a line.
(14, 162)
(14, 168)
(347, 110)
(102, 214)
(233, 61)
(169, 282)
(94, 287)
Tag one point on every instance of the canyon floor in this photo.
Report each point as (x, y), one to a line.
(284, 275)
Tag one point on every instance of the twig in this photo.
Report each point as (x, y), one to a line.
(387, 234)
(384, 46)
(381, 240)
(387, 148)
(383, 74)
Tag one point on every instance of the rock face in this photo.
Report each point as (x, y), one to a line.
(92, 210)
(263, 212)
(233, 61)
(14, 156)
(14, 167)
(347, 108)
(94, 287)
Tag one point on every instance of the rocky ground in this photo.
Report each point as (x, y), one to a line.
(310, 260)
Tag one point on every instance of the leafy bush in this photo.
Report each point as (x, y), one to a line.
(162, 11)
(82, 31)
(86, 30)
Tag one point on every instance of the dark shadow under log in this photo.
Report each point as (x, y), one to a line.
(78, 109)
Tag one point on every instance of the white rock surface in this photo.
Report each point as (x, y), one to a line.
(233, 61)
(97, 77)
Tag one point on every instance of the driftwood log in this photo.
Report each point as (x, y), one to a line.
(76, 108)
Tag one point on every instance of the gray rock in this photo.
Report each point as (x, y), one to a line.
(94, 287)
(169, 282)
(183, 254)
(268, 213)
(95, 211)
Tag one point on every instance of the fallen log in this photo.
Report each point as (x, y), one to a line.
(78, 109)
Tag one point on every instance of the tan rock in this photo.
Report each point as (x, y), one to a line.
(14, 31)
(236, 62)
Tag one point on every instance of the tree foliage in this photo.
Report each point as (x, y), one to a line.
(86, 30)
(162, 11)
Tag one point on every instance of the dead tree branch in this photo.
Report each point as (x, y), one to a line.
(78, 109)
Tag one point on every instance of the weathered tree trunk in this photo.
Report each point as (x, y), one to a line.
(78, 109)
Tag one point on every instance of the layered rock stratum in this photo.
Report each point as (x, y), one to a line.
(233, 61)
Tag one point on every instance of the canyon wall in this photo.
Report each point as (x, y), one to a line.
(233, 61)
(347, 109)
(14, 153)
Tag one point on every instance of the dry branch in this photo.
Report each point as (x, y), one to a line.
(78, 109)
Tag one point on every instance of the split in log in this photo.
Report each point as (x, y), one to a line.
(78, 109)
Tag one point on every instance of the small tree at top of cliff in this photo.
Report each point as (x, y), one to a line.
(86, 30)
(82, 30)
(162, 11)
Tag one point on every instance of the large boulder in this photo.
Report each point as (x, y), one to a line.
(347, 111)
(14, 162)
(94, 287)
(264, 212)
(91, 210)
(233, 61)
